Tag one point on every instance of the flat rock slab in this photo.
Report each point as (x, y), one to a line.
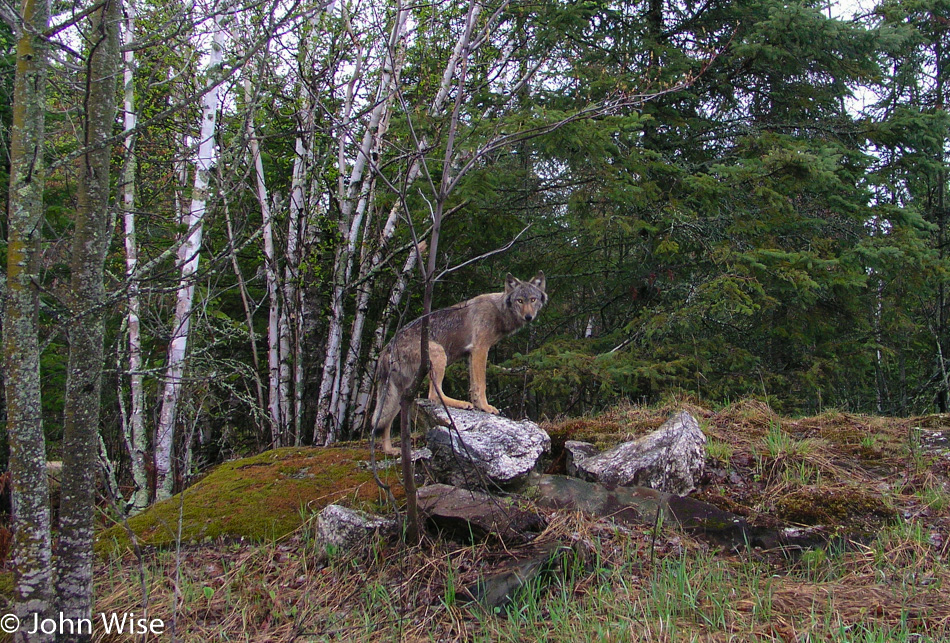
(670, 459)
(482, 451)
(640, 505)
(469, 514)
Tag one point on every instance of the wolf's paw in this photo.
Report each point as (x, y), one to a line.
(488, 408)
(388, 449)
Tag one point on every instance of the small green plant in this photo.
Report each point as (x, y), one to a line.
(448, 598)
(778, 443)
(721, 451)
(801, 473)
(934, 498)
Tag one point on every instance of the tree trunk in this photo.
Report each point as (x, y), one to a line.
(91, 238)
(32, 569)
(278, 393)
(290, 325)
(136, 439)
(188, 256)
(354, 200)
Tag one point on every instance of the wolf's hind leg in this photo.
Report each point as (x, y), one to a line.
(438, 363)
(387, 408)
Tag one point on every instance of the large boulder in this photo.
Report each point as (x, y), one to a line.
(482, 451)
(670, 459)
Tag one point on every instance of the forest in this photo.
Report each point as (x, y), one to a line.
(728, 199)
(219, 211)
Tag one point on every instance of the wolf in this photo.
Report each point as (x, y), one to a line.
(468, 328)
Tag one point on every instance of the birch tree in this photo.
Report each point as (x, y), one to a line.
(278, 394)
(134, 435)
(188, 257)
(354, 196)
(32, 567)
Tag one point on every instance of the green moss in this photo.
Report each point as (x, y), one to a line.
(833, 507)
(6, 585)
(594, 430)
(263, 497)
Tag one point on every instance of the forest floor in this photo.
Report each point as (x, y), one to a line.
(876, 489)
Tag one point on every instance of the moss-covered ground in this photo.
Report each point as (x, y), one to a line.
(261, 498)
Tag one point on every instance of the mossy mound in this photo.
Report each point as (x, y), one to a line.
(834, 507)
(260, 498)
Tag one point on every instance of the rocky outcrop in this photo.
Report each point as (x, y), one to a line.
(670, 459)
(575, 452)
(482, 451)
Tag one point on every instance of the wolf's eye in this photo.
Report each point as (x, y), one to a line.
(520, 300)
(534, 299)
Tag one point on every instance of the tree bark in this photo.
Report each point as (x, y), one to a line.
(278, 394)
(291, 321)
(136, 439)
(91, 238)
(32, 568)
(188, 256)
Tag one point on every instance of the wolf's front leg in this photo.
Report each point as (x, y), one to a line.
(478, 363)
(437, 364)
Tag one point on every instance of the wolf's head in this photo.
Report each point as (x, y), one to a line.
(525, 298)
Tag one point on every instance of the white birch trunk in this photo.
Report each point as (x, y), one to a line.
(188, 256)
(136, 438)
(289, 327)
(277, 395)
(352, 209)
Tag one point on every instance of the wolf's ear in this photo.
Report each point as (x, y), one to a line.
(539, 280)
(511, 282)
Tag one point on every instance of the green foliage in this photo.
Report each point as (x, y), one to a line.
(748, 230)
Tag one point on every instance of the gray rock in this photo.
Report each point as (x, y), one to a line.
(670, 459)
(345, 529)
(469, 514)
(575, 452)
(483, 451)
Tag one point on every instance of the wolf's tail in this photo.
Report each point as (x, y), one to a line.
(387, 396)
